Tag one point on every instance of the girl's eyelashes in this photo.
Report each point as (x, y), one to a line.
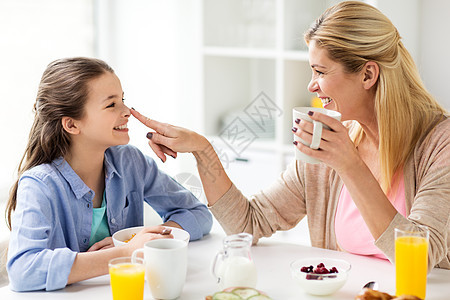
(113, 104)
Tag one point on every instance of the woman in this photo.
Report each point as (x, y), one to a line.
(79, 183)
(388, 164)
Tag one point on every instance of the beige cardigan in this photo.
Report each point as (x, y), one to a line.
(313, 190)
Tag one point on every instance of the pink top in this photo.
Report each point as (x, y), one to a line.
(352, 234)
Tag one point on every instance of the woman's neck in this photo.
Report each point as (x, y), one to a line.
(371, 133)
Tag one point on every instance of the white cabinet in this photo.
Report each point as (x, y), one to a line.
(255, 70)
(255, 48)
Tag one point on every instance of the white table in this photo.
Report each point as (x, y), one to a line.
(272, 259)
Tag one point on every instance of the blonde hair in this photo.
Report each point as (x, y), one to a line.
(354, 33)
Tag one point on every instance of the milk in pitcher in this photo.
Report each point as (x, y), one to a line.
(233, 266)
(237, 271)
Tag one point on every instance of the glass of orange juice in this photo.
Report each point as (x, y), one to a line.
(127, 278)
(411, 260)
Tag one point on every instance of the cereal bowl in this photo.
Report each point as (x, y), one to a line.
(309, 274)
(121, 237)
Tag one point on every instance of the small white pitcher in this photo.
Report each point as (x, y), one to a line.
(234, 266)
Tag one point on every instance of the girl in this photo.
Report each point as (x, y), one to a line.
(79, 183)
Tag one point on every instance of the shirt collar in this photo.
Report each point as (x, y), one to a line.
(77, 185)
(110, 169)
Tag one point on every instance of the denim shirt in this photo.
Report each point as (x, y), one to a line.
(53, 216)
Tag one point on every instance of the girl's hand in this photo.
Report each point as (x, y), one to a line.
(169, 139)
(148, 234)
(103, 244)
(336, 149)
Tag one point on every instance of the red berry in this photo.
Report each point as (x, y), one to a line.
(307, 269)
(334, 270)
(321, 270)
(304, 269)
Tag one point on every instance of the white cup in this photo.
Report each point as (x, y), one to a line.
(165, 266)
(302, 114)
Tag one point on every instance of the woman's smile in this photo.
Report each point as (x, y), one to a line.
(325, 101)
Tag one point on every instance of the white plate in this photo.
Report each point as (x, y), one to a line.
(122, 235)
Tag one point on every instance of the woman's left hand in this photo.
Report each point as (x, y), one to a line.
(336, 149)
(169, 139)
(103, 244)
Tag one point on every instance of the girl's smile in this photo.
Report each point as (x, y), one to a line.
(122, 128)
(105, 122)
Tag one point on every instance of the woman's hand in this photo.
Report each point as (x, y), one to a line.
(101, 245)
(168, 139)
(336, 149)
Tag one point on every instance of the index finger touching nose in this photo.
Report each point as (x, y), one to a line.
(143, 119)
(153, 124)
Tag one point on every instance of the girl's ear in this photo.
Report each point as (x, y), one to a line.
(370, 72)
(70, 125)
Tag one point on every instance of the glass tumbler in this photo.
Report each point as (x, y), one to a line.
(127, 278)
(411, 260)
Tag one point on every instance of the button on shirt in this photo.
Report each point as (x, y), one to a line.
(53, 216)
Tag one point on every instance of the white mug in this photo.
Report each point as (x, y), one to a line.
(302, 114)
(165, 266)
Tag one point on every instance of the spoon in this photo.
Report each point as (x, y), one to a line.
(166, 231)
(371, 285)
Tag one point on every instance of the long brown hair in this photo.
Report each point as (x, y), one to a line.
(62, 92)
(354, 33)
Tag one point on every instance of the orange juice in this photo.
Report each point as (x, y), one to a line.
(411, 262)
(127, 281)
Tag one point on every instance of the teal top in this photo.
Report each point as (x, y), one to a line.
(100, 228)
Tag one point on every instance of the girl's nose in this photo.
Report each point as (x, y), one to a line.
(126, 112)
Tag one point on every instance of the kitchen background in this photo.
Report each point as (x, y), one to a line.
(201, 64)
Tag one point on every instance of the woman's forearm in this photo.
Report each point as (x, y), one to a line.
(212, 174)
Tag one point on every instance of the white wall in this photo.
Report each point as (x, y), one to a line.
(434, 62)
(154, 48)
(33, 33)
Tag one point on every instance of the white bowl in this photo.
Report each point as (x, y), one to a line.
(320, 284)
(121, 236)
